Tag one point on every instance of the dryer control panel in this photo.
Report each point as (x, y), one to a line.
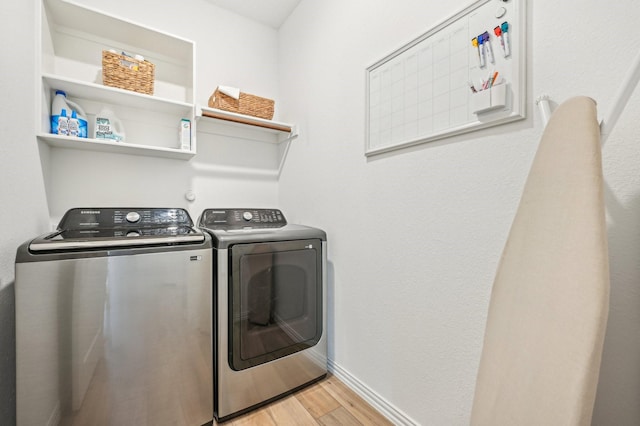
(242, 218)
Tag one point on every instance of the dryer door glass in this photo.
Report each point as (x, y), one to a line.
(275, 306)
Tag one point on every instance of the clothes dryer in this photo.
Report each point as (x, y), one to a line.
(269, 324)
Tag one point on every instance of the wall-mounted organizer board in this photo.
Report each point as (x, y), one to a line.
(465, 74)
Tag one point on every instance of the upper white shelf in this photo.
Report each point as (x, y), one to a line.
(75, 17)
(112, 95)
(209, 117)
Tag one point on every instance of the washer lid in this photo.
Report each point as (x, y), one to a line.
(75, 240)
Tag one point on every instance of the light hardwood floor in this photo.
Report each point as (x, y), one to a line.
(328, 402)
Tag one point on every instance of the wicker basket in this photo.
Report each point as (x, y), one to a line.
(127, 73)
(252, 105)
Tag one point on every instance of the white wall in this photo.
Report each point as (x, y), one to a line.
(23, 209)
(415, 235)
(230, 50)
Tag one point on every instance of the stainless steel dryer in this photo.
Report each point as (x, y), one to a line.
(113, 321)
(270, 307)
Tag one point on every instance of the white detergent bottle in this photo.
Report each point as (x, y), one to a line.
(108, 126)
(61, 102)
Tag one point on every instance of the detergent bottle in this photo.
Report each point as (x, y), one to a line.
(59, 103)
(108, 126)
(63, 123)
(74, 125)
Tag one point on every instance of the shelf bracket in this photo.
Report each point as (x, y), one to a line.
(287, 142)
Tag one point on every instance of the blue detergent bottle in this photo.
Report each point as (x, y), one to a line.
(59, 103)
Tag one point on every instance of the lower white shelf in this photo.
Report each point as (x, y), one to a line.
(114, 147)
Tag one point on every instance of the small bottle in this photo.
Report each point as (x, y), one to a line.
(74, 129)
(62, 123)
(185, 134)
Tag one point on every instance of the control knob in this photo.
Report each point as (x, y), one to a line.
(133, 217)
(247, 216)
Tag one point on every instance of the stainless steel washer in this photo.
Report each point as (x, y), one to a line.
(270, 307)
(113, 321)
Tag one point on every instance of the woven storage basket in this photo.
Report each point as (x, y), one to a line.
(252, 105)
(127, 73)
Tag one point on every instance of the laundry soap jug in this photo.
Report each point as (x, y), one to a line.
(74, 125)
(61, 103)
(108, 126)
(63, 123)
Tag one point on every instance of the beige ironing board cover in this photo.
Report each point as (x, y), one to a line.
(549, 304)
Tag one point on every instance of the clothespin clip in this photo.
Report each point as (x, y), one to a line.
(474, 43)
(487, 47)
(505, 34)
(481, 49)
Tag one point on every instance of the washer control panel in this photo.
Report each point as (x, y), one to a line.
(110, 218)
(242, 218)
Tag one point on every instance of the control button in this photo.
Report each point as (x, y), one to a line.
(133, 217)
(133, 234)
(247, 216)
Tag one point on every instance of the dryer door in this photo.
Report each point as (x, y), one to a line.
(275, 303)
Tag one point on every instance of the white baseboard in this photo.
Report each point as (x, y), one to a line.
(387, 409)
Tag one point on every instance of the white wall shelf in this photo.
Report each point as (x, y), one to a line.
(68, 142)
(70, 21)
(213, 122)
(72, 39)
(111, 95)
(70, 59)
(275, 132)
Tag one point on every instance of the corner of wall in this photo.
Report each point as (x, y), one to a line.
(387, 409)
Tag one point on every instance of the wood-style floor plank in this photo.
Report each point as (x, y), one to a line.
(258, 417)
(328, 402)
(290, 411)
(317, 401)
(356, 406)
(339, 417)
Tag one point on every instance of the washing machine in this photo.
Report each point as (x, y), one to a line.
(269, 323)
(113, 321)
